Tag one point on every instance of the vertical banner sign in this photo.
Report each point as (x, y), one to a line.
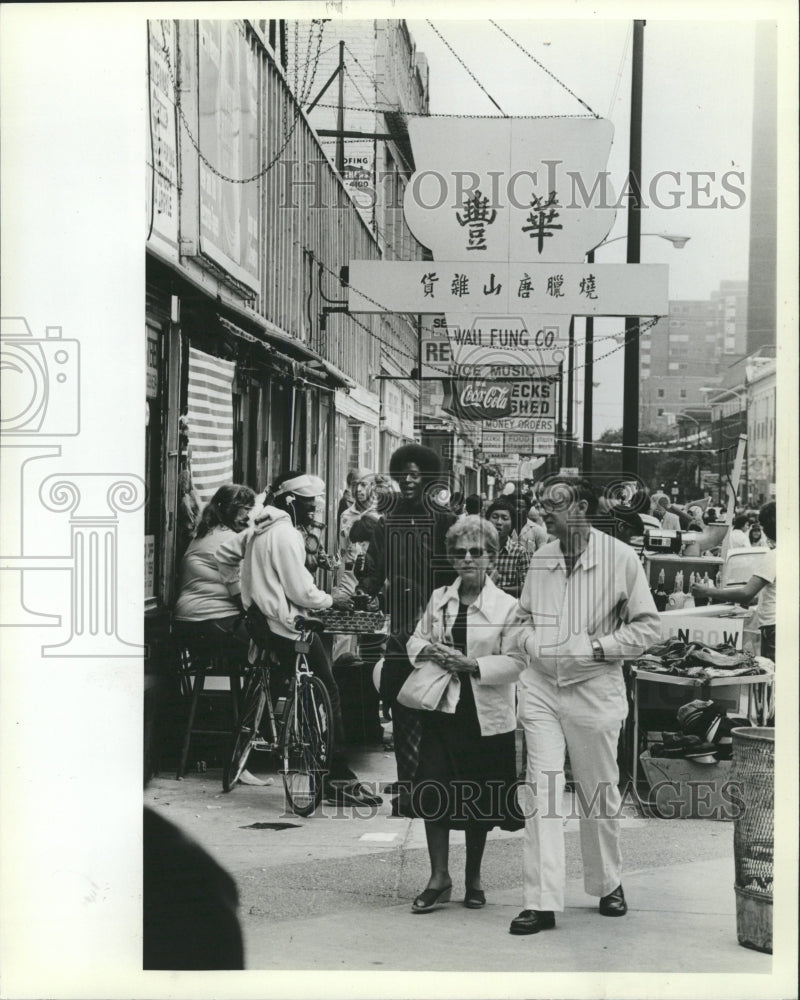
(161, 172)
(210, 418)
(228, 106)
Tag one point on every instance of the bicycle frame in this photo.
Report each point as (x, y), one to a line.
(301, 735)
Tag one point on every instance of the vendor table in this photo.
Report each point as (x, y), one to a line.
(695, 688)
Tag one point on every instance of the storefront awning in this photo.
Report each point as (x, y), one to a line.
(292, 349)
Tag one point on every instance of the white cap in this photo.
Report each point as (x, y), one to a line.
(302, 486)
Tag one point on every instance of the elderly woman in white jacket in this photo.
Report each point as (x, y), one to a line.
(466, 777)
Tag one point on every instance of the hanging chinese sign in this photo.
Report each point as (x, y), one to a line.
(509, 209)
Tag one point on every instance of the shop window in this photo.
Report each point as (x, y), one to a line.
(353, 445)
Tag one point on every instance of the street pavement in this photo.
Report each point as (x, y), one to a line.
(334, 891)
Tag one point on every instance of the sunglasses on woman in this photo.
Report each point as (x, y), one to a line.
(462, 553)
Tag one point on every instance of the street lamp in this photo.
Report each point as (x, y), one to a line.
(740, 395)
(679, 242)
(696, 422)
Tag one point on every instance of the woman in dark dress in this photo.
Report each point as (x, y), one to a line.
(466, 777)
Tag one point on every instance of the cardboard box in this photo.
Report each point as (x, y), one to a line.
(682, 789)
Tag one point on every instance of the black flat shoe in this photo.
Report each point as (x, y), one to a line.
(614, 905)
(428, 899)
(532, 921)
(474, 899)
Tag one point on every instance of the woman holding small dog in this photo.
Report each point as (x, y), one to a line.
(467, 767)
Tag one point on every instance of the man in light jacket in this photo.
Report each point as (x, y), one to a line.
(269, 561)
(589, 607)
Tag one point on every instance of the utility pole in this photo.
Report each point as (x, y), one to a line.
(560, 423)
(570, 385)
(588, 388)
(630, 402)
(340, 116)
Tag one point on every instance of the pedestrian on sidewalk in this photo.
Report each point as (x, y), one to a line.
(587, 606)
(409, 546)
(511, 561)
(761, 584)
(274, 577)
(466, 778)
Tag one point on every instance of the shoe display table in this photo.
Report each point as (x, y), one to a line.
(685, 689)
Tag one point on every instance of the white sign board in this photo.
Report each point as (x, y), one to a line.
(544, 444)
(540, 425)
(495, 348)
(711, 631)
(504, 288)
(492, 441)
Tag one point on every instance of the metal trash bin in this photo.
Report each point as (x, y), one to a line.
(753, 835)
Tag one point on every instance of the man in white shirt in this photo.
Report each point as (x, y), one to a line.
(761, 584)
(739, 537)
(585, 606)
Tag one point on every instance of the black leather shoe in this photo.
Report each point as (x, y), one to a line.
(532, 921)
(614, 905)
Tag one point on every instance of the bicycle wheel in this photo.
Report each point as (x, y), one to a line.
(253, 701)
(306, 744)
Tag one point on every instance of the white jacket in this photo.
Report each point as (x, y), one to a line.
(491, 640)
(272, 558)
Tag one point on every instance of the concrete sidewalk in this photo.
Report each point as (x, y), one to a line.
(334, 891)
(681, 918)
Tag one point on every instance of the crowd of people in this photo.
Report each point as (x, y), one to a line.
(519, 609)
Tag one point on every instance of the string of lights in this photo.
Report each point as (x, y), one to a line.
(373, 80)
(464, 65)
(541, 66)
(195, 144)
(442, 114)
(307, 90)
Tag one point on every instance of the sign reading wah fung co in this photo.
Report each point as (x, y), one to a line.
(509, 208)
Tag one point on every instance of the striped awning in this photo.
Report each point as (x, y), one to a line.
(210, 419)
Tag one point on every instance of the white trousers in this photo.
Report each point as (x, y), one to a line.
(584, 718)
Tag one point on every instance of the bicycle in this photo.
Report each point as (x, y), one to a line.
(301, 732)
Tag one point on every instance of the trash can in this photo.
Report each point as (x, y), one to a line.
(753, 835)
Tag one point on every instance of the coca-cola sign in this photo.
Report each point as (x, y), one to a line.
(478, 400)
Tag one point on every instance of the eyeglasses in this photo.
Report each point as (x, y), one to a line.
(462, 553)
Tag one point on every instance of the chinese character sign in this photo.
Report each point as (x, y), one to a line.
(510, 189)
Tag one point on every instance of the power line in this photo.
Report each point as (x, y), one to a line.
(461, 61)
(542, 66)
(619, 71)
